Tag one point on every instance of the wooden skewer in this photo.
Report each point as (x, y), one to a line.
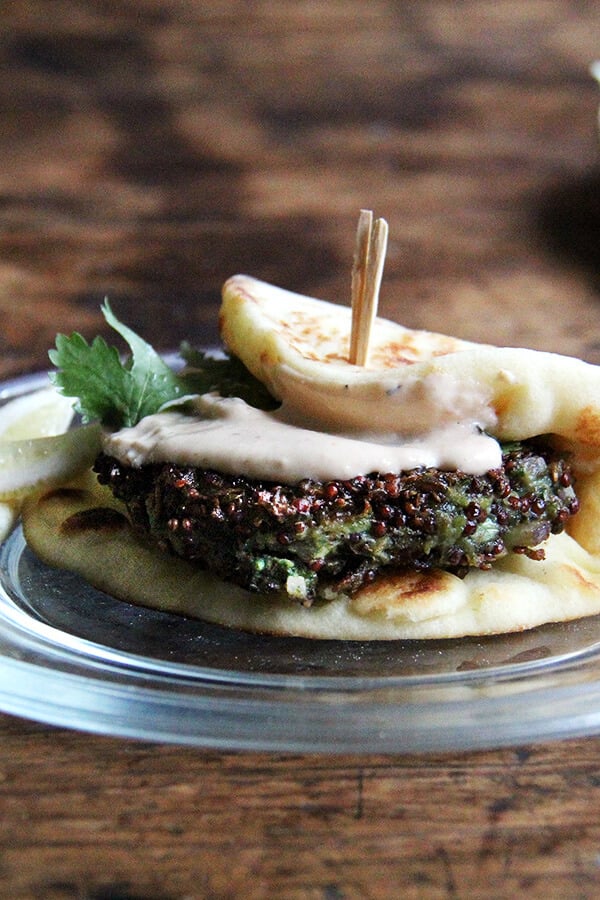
(359, 279)
(367, 271)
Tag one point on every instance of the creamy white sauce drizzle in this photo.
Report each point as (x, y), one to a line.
(228, 435)
(412, 405)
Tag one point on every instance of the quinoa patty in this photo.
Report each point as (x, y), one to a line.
(316, 539)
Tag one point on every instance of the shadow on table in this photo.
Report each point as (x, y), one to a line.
(568, 221)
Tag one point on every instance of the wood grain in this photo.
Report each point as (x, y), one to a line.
(93, 817)
(148, 151)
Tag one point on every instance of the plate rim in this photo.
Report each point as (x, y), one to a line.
(95, 688)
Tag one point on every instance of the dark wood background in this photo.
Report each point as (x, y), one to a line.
(150, 149)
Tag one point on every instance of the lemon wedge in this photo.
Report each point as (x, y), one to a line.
(34, 451)
(42, 413)
(29, 465)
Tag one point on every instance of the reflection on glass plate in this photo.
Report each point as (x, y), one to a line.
(72, 656)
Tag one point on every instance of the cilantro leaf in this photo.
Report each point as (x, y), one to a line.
(152, 383)
(116, 393)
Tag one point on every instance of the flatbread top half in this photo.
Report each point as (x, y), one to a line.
(298, 347)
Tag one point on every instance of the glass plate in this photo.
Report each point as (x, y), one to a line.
(72, 656)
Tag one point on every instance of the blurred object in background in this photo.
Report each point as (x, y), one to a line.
(150, 150)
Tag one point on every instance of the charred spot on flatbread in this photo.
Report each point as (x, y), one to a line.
(97, 518)
(399, 592)
(64, 493)
(587, 429)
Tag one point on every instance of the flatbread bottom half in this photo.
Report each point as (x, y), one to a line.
(85, 530)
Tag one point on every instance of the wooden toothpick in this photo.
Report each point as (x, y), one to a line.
(367, 271)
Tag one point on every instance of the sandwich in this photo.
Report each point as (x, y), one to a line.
(441, 489)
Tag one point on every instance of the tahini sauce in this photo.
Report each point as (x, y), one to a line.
(228, 435)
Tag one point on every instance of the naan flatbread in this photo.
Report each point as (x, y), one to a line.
(298, 346)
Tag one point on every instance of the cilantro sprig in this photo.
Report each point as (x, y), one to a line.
(119, 392)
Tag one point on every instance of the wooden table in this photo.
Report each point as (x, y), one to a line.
(149, 150)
